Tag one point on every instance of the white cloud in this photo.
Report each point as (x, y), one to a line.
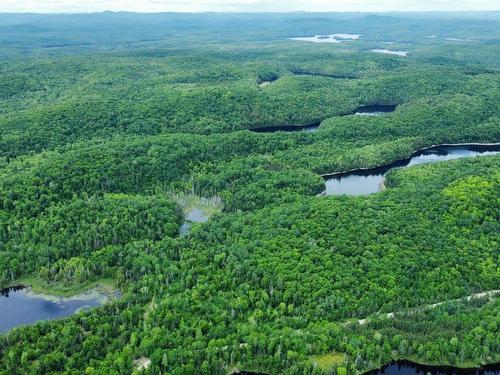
(242, 5)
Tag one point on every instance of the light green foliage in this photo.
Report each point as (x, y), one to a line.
(112, 124)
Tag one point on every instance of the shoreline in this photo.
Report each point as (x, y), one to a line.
(327, 175)
(36, 288)
(316, 124)
(466, 367)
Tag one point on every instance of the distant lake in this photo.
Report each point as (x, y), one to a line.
(20, 306)
(368, 181)
(330, 38)
(390, 52)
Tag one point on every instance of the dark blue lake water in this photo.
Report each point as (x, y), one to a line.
(368, 181)
(410, 368)
(19, 306)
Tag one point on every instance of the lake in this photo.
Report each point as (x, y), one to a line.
(375, 109)
(288, 128)
(368, 181)
(367, 110)
(411, 368)
(331, 38)
(20, 306)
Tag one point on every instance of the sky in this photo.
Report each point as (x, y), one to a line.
(71, 6)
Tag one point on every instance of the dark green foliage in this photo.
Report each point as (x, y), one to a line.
(104, 117)
(72, 231)
(325, 260)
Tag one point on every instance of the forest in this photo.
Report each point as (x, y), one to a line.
(106, 120)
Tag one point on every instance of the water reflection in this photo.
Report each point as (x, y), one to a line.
(375, 110)
(410, 368)
(287, 128)
(363, 182)
(195, 215)
(20, 306)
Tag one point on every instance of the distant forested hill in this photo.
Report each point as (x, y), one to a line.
(117, 30)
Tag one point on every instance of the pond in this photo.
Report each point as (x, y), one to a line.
(20, 306)
(411, 368)
(390, 52)
(368, 181)
(267, 81)
(195, 215)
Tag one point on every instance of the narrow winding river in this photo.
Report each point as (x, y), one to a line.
(368, 181)
(367, 110)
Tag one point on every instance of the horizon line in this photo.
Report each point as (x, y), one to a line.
(255, 12)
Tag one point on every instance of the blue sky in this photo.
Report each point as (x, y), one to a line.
(243, 5)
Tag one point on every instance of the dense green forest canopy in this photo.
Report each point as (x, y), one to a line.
(106, 119)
